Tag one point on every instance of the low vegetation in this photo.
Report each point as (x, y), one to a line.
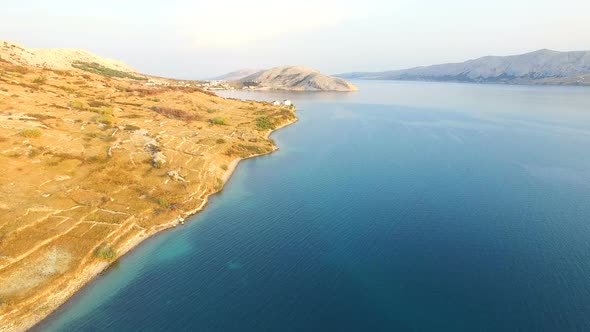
(105, 252)
(253, 148)
(105, 119)
(104, 71)
(175, 113)
(98, 103)
(131, 127)
(30, 133)
(163, 202)
(76, 104)
(217, 121)
(264, 122)
(39, 80)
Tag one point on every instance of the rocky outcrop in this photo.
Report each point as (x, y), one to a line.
(55, 58)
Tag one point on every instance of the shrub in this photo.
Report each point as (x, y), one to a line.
(131, 116)
(252, 148)
(30, 133)
(105, 119)
(106, 252)
(163, 202)
(174, 113)
(264, 122)
(103, 111)
(220, 141)
(224, 167)
(97, 103)
(131, 127)
(217, 121)
(210, 110)
(39, 80)
(75, 104)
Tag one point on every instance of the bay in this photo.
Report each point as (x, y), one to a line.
(407, 206)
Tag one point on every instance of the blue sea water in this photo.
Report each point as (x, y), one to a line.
(403, 207)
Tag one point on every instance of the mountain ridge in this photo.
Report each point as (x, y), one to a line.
(56, 58)
(236, 75)
(543, 66)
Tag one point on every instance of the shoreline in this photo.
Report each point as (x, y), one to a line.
(91, 272)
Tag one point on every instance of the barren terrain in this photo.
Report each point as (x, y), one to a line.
(93, 165)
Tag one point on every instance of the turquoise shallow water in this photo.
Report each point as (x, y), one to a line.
(403, 207)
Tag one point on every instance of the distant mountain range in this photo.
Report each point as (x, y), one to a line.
(539, 67)
(236, 75)
(293, 78)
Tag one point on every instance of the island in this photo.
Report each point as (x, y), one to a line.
(289, 78)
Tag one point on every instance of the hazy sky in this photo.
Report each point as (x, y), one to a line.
(198, 39)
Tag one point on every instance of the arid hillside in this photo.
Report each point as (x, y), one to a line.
(55, 58)
(94, 162)
(296, 78)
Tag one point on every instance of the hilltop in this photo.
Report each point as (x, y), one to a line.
(295, 78)
(55, 58)
(95, 162)
(539, 67)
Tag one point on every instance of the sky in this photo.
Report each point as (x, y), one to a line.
(200, 39)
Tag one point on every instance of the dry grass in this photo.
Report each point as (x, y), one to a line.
(175, 113)
(85, 176)
(30, 133)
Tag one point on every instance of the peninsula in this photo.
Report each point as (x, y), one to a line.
(97, 158)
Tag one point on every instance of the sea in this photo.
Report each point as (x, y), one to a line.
(406, 206)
